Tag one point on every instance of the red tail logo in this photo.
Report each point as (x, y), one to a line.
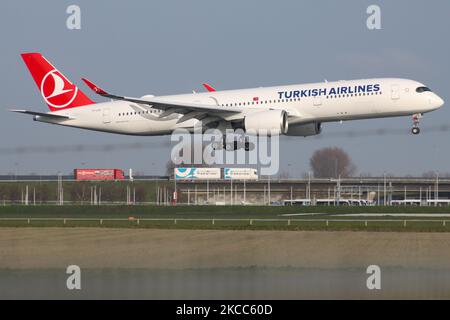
(58, 92)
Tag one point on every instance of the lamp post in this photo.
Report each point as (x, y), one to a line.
(338, 190)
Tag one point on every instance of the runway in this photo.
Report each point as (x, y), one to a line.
(142, 263)
(33, 248)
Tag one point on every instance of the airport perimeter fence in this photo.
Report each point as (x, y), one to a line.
(5, 203)
(319, 223)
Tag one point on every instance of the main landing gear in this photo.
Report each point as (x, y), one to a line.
(240, 143)
(416, 120)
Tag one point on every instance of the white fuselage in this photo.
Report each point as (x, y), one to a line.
(304, 103)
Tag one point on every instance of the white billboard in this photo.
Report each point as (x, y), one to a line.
(240, 174)
(197, 173)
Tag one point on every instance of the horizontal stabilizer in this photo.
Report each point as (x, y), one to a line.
(42, 114)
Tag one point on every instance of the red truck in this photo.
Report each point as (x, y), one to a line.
(98, 174)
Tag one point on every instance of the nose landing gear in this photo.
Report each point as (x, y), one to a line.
(415, 130)
(416, 120)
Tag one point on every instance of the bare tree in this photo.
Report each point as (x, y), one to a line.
(284, 175)
(332, 162)
(76, 191)
(429, 174)
(170, 166)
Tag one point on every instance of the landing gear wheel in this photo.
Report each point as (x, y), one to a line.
(415, 130)
(416, 121)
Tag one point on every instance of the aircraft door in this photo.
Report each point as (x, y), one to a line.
(317, 101)
(395, 92)
(106, 116)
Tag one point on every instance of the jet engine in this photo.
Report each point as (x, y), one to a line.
(305, 129)
(273, 122)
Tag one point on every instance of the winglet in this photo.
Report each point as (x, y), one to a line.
(94, 87)
(208, 87)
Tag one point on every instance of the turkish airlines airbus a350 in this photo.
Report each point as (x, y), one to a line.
(294, 110)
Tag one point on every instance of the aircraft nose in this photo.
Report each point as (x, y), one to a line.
(436, 101)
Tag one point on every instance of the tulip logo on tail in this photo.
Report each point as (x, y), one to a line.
(57, 91)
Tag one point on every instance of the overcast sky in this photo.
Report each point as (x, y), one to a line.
(142, 47)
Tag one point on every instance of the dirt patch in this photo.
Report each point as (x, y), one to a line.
(26, 248)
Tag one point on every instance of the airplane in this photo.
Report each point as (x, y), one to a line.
(292, 110)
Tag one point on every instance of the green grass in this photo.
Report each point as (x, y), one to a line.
(308, 222)
(117, 211)
(316, 225)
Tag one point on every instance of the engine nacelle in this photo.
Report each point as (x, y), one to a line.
(305, 130)
(273, 122)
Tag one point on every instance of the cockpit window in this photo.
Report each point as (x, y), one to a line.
(422, 89)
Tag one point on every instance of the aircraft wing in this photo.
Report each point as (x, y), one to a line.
(169, 107)
(42, 114)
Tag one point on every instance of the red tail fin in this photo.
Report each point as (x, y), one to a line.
(58, 92)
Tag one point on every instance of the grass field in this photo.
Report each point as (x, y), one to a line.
(150, 211)
(223, 217)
